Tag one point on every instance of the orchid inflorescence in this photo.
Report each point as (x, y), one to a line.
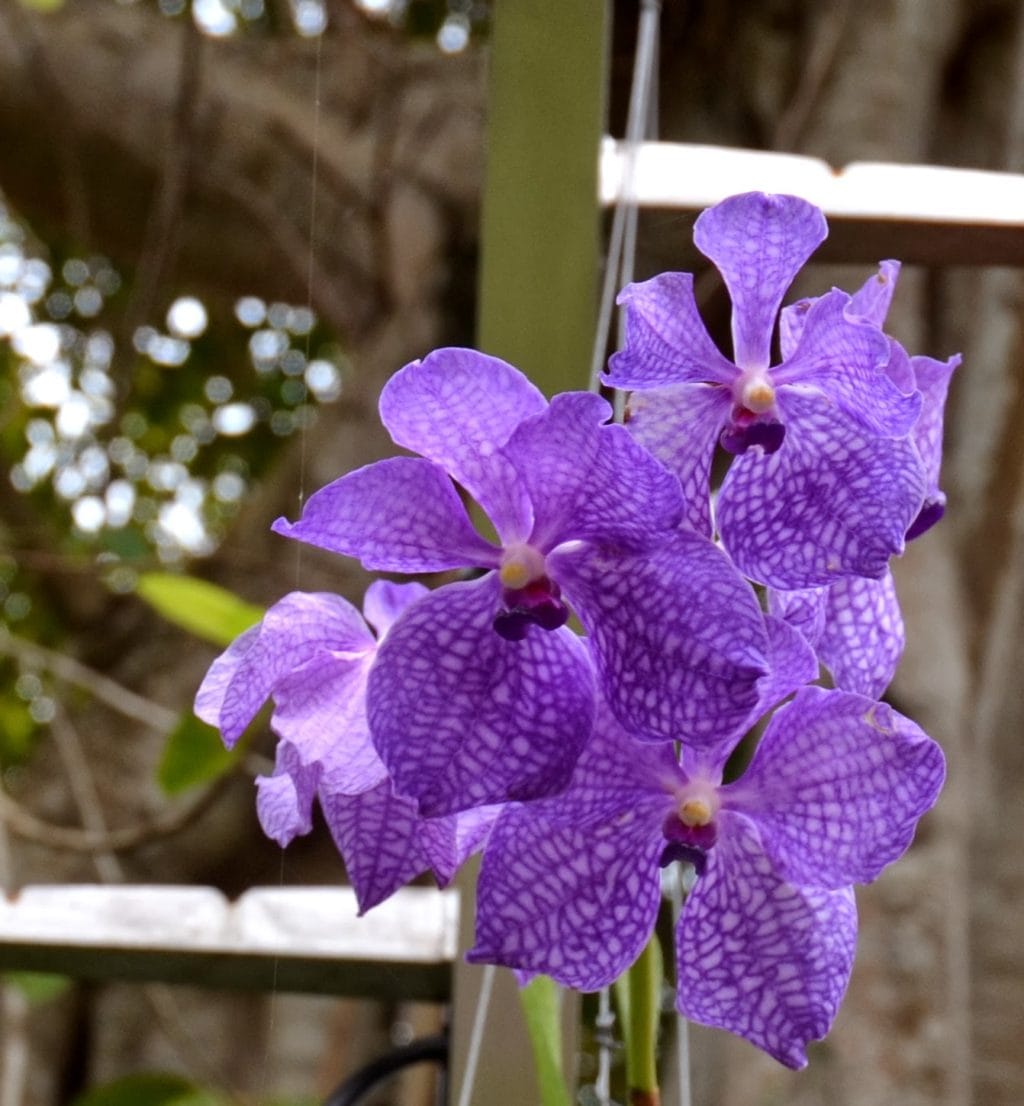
(584, 763)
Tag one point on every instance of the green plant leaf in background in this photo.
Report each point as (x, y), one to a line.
(150, 1090)
(194, 754)
(542, 1007)
(42, 5)
(38, 987)
(210, 612)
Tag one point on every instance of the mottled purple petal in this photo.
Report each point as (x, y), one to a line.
(758, 956)
(284, 801)
(589, 480)
(385, 601)
(758, 242)
(379, 837)
(292, 632)
(577, 902)
(458, 407)
(836, 787)
(862, 639)
(680, 426)
(802, 608)
(844, 358)
(210, 696)
(933, 378)
(398, 515)
(450, 840)
(678, 636)
(871, 301)
(831, 502)
(320, 710)
(666, 340)
(462, 717)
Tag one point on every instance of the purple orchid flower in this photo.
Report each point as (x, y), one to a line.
(764, 946)
(480, 693)
(855, 623)
(313, 653)
(825, 480)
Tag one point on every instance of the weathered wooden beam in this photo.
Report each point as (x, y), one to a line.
(302, 939)
(923, 214)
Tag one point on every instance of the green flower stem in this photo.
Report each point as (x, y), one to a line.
(639, 996)
(541, 1001)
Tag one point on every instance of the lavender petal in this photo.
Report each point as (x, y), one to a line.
(759, 243)
(863, 637)
(385, 601)
(284, 801)
(398, 515)
(575, 901)
(589, 480)
(680, 425)
(458, 407)
(831, 503)
(292, 632)
(836, 787)
(677, 634)
(379, 838)
(666, 340)
(844, 358)
(758, 956)
(461, 717)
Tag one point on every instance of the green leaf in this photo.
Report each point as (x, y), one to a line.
(150, 1090)
(37, 987)
(43, 5)
(194, 754)
(541, 1000)
(212, 613)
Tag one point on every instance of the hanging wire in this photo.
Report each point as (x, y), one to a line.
(639, 120)
(477, 1036)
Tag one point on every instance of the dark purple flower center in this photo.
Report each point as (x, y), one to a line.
(747, 429)
(539, 603)
(689, 834)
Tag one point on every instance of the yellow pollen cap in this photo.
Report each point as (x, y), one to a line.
(695, 812)
(515, 575)
(758, 396)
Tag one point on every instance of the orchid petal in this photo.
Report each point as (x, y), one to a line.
(830, 503)
(862, 640)
(458, 407)
(803, 608)
(575, 901)
(385, 601)
(872, 300)
(398, 515)
(837, 786)
(843, 358)
(598, 484)
(680, 426)
(379, 838)
(666, 340)
(677, 634)
(284, 801)
(292, 632)
(463, 717)
(759, 956)
(758, 242)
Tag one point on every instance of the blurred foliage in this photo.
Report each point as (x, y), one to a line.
(150, 1090)
(204, 609)
(38, 987)
(194, 755)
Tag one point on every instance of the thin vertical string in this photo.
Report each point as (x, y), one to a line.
(476, 1038)
(622, 241)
